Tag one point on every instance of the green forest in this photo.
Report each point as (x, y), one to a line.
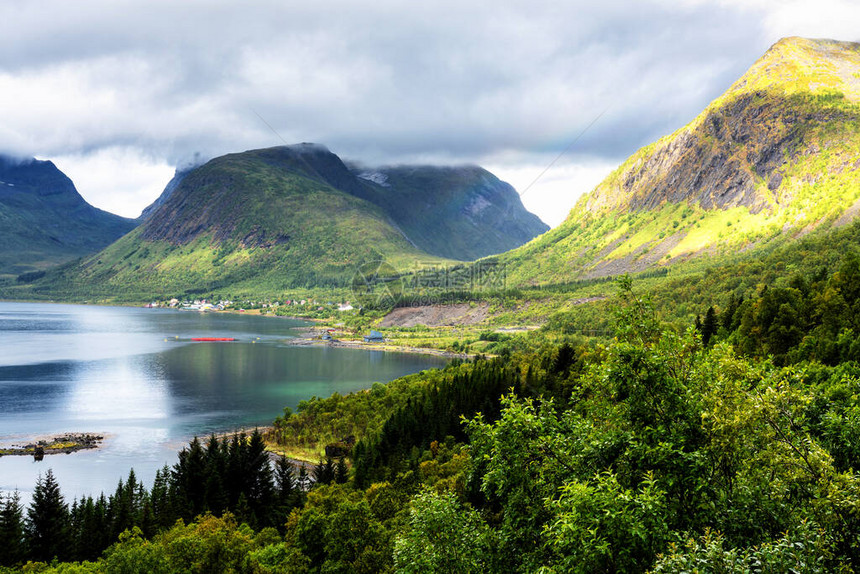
(726, 445)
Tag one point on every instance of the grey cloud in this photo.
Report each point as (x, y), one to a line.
(390, 79)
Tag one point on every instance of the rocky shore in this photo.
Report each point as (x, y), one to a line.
(59, 444)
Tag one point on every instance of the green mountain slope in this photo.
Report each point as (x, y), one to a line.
(460, 212)
(255, 222)
(455, 212)
(44, 221)
(777, 155)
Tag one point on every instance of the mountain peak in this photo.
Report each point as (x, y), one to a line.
(45, 219)
(803, 65)
(775, 155)
(308, 148)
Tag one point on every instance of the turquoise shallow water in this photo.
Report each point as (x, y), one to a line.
(135, 376)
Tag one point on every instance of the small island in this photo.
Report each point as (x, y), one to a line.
(60, 444)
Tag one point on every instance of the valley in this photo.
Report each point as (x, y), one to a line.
(666, 382)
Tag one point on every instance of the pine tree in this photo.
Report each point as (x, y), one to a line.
(261, 488)
(285, 480)
(303, 480)
(216, 469)
(324, 472)
(47, 532)
(11, 530)
(341, 472)
(188, 478)
(709, 326)
(163, 511)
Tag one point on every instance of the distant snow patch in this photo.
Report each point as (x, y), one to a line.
(376, 177)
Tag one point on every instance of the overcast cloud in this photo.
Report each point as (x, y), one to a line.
(119, 93)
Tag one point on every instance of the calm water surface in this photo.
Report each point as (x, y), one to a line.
(135, 376)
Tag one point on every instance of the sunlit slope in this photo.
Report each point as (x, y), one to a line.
(777, 155)
(252, 223)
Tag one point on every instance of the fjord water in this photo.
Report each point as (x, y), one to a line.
(135, 376)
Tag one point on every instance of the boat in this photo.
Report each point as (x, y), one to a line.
(213, 339)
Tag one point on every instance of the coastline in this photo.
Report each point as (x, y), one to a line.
(310, 337)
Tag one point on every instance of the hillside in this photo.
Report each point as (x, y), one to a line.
(455, 212)
(44, 220)
(460, 212)
(246, 223)
(776, 156)
(263, 221)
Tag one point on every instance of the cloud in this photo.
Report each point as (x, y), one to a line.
(547, 195)
(385, 82)
(108, 169)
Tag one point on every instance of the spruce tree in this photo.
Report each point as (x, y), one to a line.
(709, 326)
(341, 472)
(285, 480)
(188, 480)
(303, 480)
(216, 469)
(47, 532)
(261, 488)
(163, 511)
(11, 530)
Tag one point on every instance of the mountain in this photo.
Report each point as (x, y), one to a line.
(460, 212)
(264, 220)
(44, 220)
(253, 222)
(777, 155)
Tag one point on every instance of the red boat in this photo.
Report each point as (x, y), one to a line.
(212, 339)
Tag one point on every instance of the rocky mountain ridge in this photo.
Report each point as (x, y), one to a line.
(776, 155)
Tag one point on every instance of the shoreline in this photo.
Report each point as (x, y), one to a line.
(309, 337)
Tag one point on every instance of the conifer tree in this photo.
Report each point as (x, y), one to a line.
(261, 488)
(709, 326)
(188, 475)
(163, 511)
(216, 466)
(341, 472)
(11, 530)
(286, 482)
(47, 531)
(303, 479)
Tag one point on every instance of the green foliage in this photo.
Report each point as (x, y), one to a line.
(806, 549)
(663, 438)
(134, 554)
(443, 536)
(599, 526)
(433, 415)
(653, 452)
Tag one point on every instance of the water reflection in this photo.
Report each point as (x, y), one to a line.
(134, 375)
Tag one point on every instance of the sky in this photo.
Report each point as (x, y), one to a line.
(548, 95)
